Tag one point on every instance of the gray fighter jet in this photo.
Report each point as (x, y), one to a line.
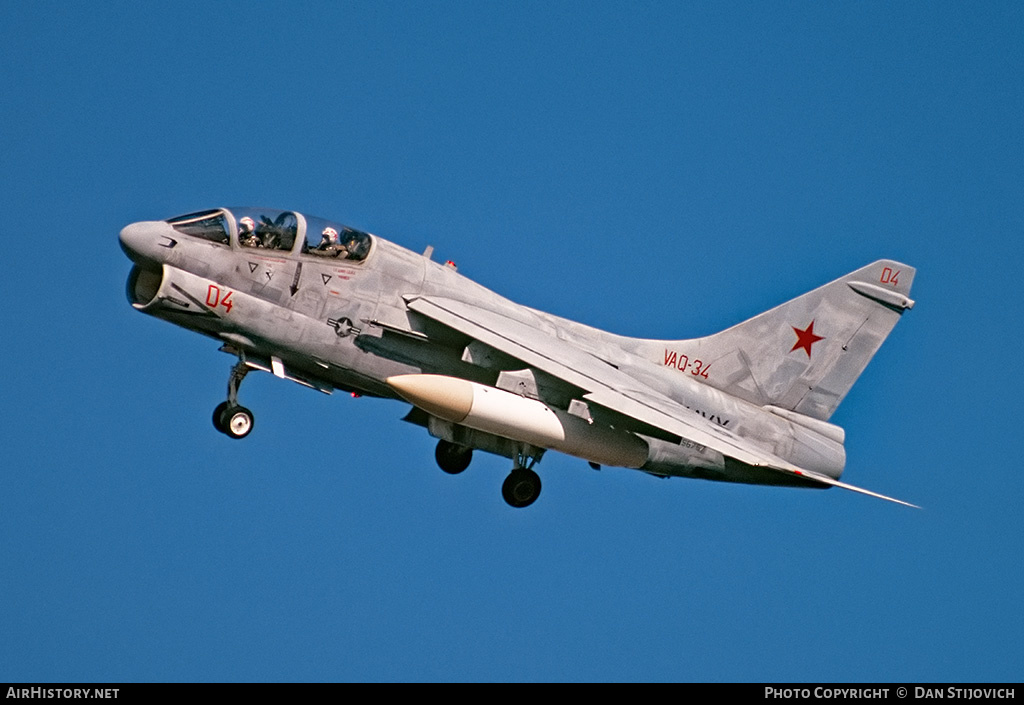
(332, 307)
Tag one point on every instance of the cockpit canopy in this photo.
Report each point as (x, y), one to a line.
(282, 231)
(209, 225)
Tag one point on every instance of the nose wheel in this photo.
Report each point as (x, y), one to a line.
(233, 421)
(230, 418)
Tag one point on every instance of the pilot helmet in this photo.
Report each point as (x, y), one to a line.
(331, 235)
(248, 224)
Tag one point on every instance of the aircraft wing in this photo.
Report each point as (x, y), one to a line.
(605, 385)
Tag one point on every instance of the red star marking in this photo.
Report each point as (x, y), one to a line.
(805, 339)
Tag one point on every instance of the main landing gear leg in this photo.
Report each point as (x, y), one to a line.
(229, 418)
(522, 486)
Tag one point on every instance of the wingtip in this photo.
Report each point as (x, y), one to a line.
(878, 495)
(825, 480)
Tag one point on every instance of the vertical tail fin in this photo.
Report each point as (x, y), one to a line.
(806, 354)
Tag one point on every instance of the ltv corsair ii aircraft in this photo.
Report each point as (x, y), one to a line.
(332, 307)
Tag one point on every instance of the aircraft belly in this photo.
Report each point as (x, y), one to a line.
(681, 459)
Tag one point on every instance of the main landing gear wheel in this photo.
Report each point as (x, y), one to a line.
(452, 458)
(521, 488)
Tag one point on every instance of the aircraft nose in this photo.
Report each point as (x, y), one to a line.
(144, 241)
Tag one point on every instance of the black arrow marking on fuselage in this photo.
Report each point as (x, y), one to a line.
(295, 282)
(270, 275)
(326, 278)
(253, 266)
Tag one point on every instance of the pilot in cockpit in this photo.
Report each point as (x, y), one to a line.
(354, 244)
(247, 233)
(329, 246)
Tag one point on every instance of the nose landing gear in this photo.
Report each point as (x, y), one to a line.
(233, 421)
(229, 417)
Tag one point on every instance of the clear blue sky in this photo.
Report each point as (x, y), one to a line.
(656, 169)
